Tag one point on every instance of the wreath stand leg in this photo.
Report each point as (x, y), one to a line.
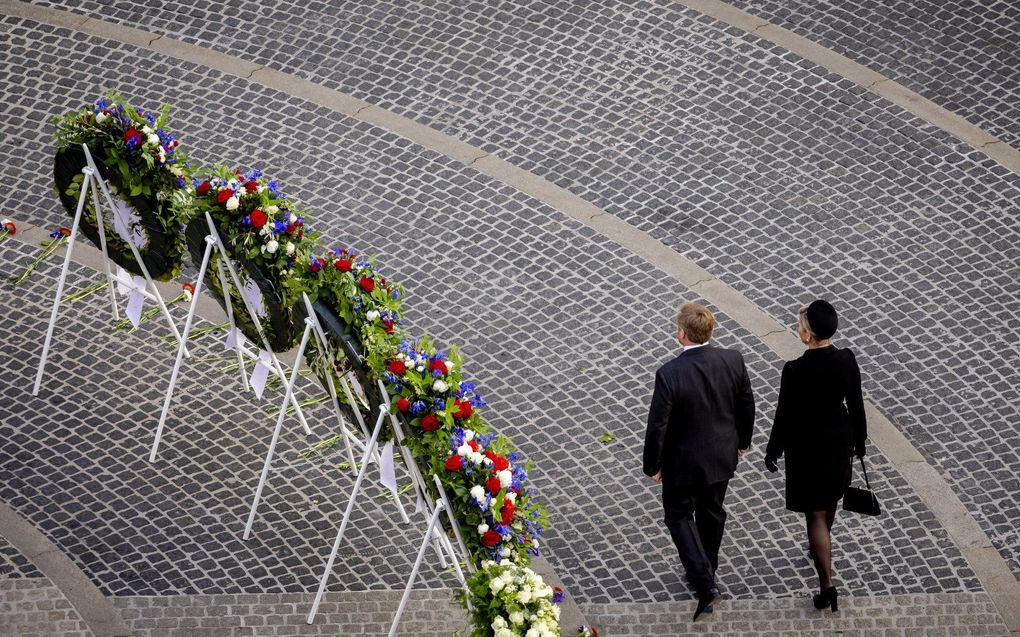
(213, 241)
(369, 449)
(312, 327)
(439, 506)
(209, 244)
(276, 431)
(63, 278)
(233, 326)
(432, 509)
(94, 182)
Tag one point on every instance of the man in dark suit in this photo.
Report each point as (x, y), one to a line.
(699, 423)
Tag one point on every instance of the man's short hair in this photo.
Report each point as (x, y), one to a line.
(696, 321)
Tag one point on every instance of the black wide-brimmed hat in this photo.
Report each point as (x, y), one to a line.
(822, 319)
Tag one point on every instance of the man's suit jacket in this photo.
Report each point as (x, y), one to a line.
(702, 411)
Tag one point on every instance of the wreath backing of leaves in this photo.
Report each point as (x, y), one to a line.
(282, 325)
(161, 253)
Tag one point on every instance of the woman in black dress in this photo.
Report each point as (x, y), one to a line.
(820, 426)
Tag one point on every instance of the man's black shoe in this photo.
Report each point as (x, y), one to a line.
(704, 601)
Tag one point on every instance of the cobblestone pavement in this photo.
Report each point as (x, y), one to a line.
(783, 180)
(523, 278)
(13, 564)
(34, 607)
(881, 616)
(532, 290)
(964, 56)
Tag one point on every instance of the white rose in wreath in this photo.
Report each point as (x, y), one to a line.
(478, 493)
(290, 248)
(505, 478)
(153, 139)
(516, 617)
(482, 528)
(371, 315)
(440, 386)
(271, 247)
(233, 203)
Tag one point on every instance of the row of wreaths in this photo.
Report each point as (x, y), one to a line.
(163, 206)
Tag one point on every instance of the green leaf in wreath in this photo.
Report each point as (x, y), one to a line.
(606, 437)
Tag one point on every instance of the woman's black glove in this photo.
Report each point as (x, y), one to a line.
(859, 451)
(770, 464)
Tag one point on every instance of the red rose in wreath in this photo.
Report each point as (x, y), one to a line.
(403, 404)
(492, 485)
(453, 463)
(251, 186)
(430, 423)
(343, 265)
(203, 189)
(366, 284)
(398, 367)
(507, 512)
(490, 538)
(224, 195)
(463, 410)
(258, 219)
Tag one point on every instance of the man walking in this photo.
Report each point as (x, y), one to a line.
(699, 423)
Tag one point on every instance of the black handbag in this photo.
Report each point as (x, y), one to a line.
(861, 500)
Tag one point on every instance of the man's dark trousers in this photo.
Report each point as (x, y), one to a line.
(695, 518)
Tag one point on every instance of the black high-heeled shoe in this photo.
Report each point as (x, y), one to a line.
(827, 599)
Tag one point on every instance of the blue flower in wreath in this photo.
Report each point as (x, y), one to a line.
(279, 227)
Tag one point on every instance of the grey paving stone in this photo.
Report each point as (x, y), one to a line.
(781, 179)
(34, 607)
(520, 288)
(13, 564)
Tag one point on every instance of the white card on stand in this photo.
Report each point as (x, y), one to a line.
(261, 373)
(135, 301)
(234, 335)
(387, 474)
(123, 281)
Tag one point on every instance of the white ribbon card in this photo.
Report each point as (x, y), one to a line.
(261, 373)
(234, 336)
(136, 300)
(387, 475)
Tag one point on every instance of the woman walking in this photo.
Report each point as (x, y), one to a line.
(819, 425)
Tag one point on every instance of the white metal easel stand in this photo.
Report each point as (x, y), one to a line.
(225, 264)
(94, 182)
(433, 534)
(312, 326)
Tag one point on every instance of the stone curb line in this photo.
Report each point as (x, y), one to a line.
(988, 564)
(96, 611)
(875, 82)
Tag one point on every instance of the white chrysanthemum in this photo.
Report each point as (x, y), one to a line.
(233, 203)
(464, 450)
(440, 386)
(290, 248)
(482, 528)
(272, 247)
(372, 315)
(505, 478)
(478, 493)
(153, 139)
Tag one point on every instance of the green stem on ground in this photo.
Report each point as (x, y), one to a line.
(49, 247)
(84, 292)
